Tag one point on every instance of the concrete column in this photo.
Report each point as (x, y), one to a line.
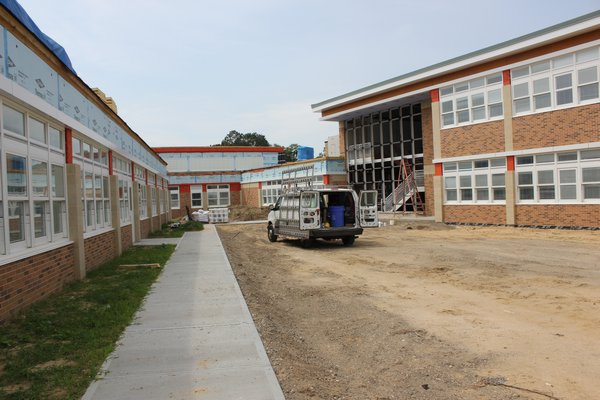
(75, 213)
(149, 207)
(342, 135)
(511, 195)
(116, 212)
(136, 223)
(438, 179)
(508, 111)
(435, 125)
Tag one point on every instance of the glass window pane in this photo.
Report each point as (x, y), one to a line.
(55, 138)
(477, 99)
(591, 174)
(465, 181)
(449, 167)
(16, 221)
(542, 101)
(590, 154)
(98, 186)
(446, 91)
(521, 90)
(58, 212)
(77, 148)
(89, 185)
(87, 150)
(39, 178)
(461, 87)
(494, 96)
(586, 55)
(545, 177)
(497, 78)
(567, 157)
(498, 179)
(563, 61)
(541, 66)
(588, 92)
(498, 162)
(495, 110)
(544, 158)
(541, 85)
(58, 181)
(563, 81)
(105, 189)
(16, 175)
(568, 192)
(448, 119)
(525, 178)
(483, 194)
(520, 72)
(466, 194)
(481, 180)
(477, 83)
(524, 160)
(587, 75)
(462, 116)
(564, 97)
(522, 105)
(40, 214)
(465, 165)
(478, 113)
(526, 193)
(451, 195)
(499, 193)
(462, 103)
(450, 182)
(591, 191)
(36, 130)
(13, 120)
(546, 192)
(481, 163)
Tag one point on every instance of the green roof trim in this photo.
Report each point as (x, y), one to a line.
(488, 49)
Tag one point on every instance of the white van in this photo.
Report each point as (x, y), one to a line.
(330, 213)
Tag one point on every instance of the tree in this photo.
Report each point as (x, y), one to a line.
(290, 153)
(235, 138)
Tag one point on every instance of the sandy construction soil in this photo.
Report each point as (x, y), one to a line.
(427, 311)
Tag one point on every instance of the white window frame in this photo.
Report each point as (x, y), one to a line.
(195, 190)
(464, 99)
(462, 176)
(143, 200)
(553, 69)
(175, 202)
(579, 165)
(218, 189)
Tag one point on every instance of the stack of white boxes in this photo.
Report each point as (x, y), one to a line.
(218, 215)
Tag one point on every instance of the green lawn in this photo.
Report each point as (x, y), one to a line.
(55, 348)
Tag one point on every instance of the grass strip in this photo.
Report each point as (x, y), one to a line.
(54, 349)
(176, 232)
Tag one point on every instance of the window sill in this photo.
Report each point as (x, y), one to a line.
(32, 251)
(479, 203)
(97, 232)
(464, 124)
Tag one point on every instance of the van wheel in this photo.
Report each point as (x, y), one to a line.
(348, 240)
(271, 234)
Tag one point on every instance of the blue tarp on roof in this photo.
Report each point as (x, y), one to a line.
(15, 8)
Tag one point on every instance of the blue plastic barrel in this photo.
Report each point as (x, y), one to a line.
(336, 214)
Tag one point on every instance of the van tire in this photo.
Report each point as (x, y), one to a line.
(271, 234)
(348, 240)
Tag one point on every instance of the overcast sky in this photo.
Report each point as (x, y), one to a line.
(186, 72)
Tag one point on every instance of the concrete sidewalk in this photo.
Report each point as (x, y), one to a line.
(194, 337)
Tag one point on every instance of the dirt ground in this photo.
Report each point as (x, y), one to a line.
(427, 311)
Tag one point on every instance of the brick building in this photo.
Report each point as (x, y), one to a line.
(509, 134)
(77, 185)
(211, 177)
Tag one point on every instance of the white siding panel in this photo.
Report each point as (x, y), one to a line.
(246, 163)
(177, 164)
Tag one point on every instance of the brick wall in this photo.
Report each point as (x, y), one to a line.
(235, 198)
(556, 128)
(26, 281)
(145, 227)
(587, 215)
(476, 214)
(429, 203)
(156, 222)
(250, 195)
(126, 238)
(473, 139)
(99, 249)
(427, 128)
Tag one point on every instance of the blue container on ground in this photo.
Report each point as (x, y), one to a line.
(305, 153)
(336, 216)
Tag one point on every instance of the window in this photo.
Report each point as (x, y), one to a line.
(143, 201)
(563, 81)
(13, 121)
(153, 196)
(478, 181)
(55, 138)
(174, 192)
(124, 205)
(218, 195)
(271, 191)
(196, 193)
(479, 99)
(570, 177)
(37, 130)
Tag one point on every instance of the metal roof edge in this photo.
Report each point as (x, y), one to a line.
(583, 18)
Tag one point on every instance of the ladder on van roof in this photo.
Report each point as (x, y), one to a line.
(293, 179)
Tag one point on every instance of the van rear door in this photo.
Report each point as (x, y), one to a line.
(368, 209)
(309, 210)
